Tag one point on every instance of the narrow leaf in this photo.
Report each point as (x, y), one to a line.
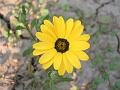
(28, 51)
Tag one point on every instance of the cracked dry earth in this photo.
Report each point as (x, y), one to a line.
(104, 43)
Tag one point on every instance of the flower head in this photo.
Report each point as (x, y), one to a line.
(61, 44)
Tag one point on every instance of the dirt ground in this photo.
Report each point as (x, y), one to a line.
(104, 44)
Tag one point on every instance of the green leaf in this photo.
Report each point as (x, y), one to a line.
(93, 85)
(103, 28)
(27, 5)
(113, 33)
(44, 17)
(109, 48)
(97, 81)
(46, 85)
(105, 76)
(33, 23)
(20, 26)
(52, 74)
(96, 37)
(44, 12)
(41, 1)
(64, 79)
(97, 60)
(22, 18)
(5, 34)
(17, 17)
(23, 9)
(117, 84)
(104, 73)
(28, 51)
(114, 64)
(18, 32)
(8, 31)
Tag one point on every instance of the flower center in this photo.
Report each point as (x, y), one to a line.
(61, 45)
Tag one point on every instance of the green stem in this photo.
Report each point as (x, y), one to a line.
(52, 85)
(27, 28)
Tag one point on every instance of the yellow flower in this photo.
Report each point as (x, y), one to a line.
(61, 44)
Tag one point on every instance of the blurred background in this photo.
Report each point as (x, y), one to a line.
(19, 69)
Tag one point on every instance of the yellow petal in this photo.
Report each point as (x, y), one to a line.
(48, 24)
(55, 24)
(43, 45)
(82, 55)
(48, 64)
(73, 59)
(84, 37)
(77, 30)
(79, 45)
(47, 56)
(57, 61)
(48, 30)
(44, 37)
(68, 65)
(59, 26)
(38, 52)
(61, 70)
(55, 20)
(69, 27)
